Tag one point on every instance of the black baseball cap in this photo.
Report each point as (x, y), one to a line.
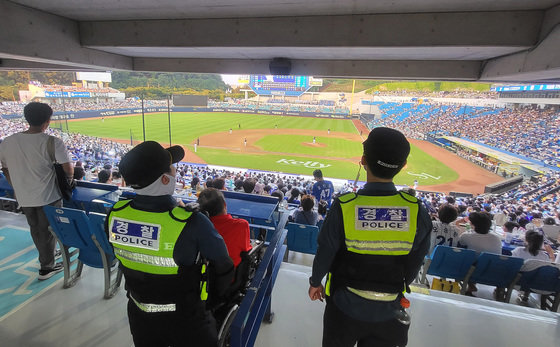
(386, 151)
(145, 163)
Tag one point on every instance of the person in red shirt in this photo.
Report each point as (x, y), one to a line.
(235, 231)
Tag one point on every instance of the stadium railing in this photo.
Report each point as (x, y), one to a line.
(256, 306)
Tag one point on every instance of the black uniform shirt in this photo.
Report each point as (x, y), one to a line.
(331, 238)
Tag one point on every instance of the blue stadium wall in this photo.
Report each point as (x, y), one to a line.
(130, 111)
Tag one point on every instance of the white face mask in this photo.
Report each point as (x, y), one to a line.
(170, 186)
(157, 188)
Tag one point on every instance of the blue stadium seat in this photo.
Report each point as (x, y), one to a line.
(544, 280)
(450, 263)
(73, 228)
(302, 238)
(496, 270)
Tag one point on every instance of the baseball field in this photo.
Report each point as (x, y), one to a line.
(272, 143)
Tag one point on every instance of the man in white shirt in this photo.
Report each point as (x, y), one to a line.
(29, 169)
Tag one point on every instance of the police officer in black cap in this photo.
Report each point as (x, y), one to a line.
(158, 244)
(371, 247)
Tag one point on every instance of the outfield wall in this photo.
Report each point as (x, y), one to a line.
(131, 111)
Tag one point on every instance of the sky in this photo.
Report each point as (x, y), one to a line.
(230, 79)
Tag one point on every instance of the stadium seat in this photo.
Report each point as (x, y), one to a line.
(544, 280)
(450, 263)
(496, 270)
(73, 228)
(302, 238)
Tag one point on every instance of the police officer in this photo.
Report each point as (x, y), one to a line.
(158, 244)
(371, 247)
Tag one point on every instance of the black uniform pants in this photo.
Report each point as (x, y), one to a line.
(340, 330)
(196, 328)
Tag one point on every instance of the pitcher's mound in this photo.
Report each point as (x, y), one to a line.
(311, 144)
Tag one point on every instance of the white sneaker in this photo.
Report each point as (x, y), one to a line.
(46, 274)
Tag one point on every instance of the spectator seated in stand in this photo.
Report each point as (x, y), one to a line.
(294, 194)
(236, 232)
(104, 176)
(443, 232)
(482, 240)
(305, 214)
(533, 250)
(79, 172)
(249, 185)
(219, 183)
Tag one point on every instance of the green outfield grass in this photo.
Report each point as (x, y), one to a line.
(186, 127)
(297, 158)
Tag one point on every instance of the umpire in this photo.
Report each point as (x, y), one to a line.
(371, 247)
(158, 244)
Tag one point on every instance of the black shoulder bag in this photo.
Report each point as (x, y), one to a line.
(65, 185)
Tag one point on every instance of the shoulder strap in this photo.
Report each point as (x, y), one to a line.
(180, 214)
(119, 205)
(347, 197)
(50, 148)
(409, 198)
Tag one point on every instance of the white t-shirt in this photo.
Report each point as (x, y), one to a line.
(31, 169)
(444, 234)
(522, 252)
(490, 242)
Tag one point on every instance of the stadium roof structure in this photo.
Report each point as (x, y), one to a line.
(475, 40)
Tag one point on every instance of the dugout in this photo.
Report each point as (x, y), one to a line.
(503, 186)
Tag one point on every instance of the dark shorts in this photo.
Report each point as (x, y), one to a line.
(340, 330)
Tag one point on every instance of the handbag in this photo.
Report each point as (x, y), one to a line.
(65, 185)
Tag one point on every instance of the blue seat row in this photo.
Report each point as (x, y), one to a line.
(464, 266)
(86, 234)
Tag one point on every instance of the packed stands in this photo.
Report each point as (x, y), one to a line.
(17, 107)
(533, 133)
(284, 106)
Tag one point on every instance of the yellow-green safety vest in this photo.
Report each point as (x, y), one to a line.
(148, 246)
(144, 241)
(378, 225)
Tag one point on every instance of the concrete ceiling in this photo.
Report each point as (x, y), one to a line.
(497, 40)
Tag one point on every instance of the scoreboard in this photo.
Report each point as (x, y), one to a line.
(279, 84)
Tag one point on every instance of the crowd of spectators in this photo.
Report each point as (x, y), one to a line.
(530, 132)
(74, 106)
(460, 94)
(302, 106)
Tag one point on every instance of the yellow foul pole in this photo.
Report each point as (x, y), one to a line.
(352, 97)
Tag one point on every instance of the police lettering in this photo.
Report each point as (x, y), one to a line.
(383, 225)
(131, 240)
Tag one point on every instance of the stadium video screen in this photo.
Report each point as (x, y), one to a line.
(279, 84)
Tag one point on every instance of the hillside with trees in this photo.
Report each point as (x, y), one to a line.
(153, 85)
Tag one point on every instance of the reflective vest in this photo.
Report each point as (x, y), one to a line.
(144, 241)
(379, 232)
